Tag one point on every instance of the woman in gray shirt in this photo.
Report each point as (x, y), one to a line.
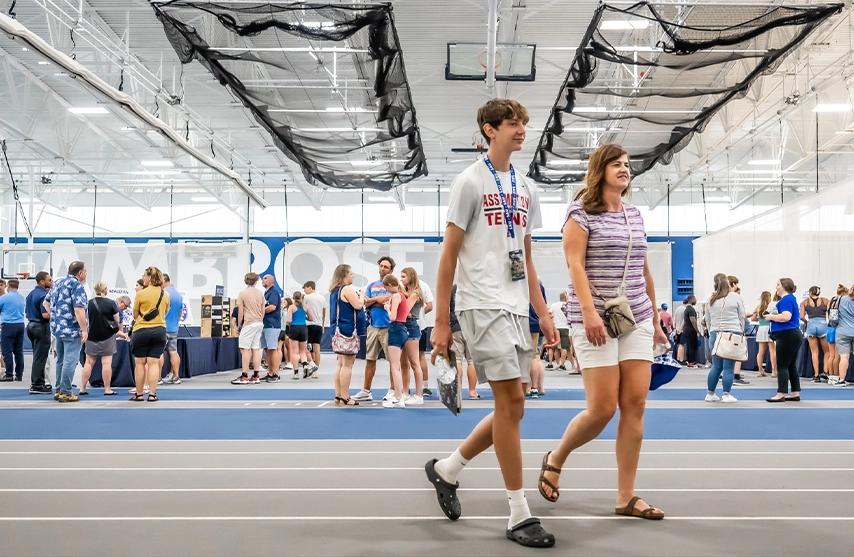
(724, 314)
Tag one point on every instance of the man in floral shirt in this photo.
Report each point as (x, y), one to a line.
(67, 303)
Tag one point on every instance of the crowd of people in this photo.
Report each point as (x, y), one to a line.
(490, 316)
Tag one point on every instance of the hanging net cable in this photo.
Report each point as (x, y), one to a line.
(651, 75)
(326, 81)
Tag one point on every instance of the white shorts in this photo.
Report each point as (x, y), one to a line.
(250, 336)
(636, 345)
(499, 343)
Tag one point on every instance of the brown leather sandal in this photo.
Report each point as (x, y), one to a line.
(546, 467)
(629, 510)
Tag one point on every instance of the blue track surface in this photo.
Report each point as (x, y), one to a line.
(250, 393)
(147, 422)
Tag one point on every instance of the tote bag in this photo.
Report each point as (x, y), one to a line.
(730, 346)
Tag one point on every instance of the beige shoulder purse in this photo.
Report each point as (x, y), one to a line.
(619, 318)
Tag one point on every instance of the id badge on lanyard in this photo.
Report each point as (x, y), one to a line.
(517, 257)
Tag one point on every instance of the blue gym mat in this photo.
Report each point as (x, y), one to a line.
(147, 421)
(259, 392)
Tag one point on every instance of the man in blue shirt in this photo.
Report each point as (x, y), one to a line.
(272, 328)
(38, 330)
(375, 297)
(12, 307)
(67, 304)
(173, 318)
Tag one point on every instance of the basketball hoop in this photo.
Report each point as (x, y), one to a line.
(23, 276)
(498, 59)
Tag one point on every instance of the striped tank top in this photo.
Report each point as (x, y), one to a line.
(607, 245)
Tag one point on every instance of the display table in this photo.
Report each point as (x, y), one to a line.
(199, 356)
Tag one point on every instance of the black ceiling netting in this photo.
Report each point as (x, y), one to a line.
(326, 81)
(650, 76)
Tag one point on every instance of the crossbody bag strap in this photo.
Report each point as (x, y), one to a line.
(622, 289)
(160, 299)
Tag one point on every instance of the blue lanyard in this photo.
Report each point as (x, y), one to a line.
(508, 214)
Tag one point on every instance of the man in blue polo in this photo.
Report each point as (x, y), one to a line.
(38, 330)
(173, 319)
(12, 306)
(272, 328)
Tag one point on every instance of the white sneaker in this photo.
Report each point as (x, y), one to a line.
(728, 398)
(414, 400)
(394, 403)
(363, 396)
(712, 398)
(388, 396)
(289, 366)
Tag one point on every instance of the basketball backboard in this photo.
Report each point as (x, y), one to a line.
(24, 264)
(513, 62)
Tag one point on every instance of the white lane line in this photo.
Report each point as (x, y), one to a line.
(423, 452)
(780, 490)
(397, 518)
(389, 469)
(322, 405)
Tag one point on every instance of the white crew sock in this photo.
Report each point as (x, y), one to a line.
(519, 510)
(449, 468)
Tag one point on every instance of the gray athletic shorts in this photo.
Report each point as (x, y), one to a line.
(499, 343)
(172, 342)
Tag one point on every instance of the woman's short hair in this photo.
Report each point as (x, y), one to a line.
(815, 290)
(591, 195)
(788, 285)
(155, 275)
(100, 288)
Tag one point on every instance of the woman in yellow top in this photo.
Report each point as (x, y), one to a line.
(149, 332)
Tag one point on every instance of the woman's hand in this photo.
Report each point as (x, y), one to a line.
(594, 328)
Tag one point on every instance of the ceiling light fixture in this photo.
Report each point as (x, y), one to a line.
(760, 171)
(88, 110)
(624, 25)
(203, 199)
(357, 130)
(600, 109)
(381, 199)
(829, 107)
(44, 63)
(763, 161)
(157, 163)
(155, 172)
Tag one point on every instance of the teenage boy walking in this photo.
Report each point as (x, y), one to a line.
(491, 214)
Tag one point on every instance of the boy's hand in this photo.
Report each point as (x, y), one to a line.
(440, 339)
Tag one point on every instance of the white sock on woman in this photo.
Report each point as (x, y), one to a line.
(519, 510)
(449, 468)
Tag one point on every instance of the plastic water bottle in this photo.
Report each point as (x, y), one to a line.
(447, 372)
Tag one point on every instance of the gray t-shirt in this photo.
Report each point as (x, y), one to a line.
(726, 314)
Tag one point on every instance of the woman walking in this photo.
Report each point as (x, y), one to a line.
(763, 334)
(814, 313)
(786, 332)
(344, 303)
(149, 332)
(104, 325)
(601, 229)
(724, 314)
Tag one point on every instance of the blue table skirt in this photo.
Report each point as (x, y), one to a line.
(199, 356)
(804, 359)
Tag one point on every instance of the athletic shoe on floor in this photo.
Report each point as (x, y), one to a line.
(840, 384)
(40, 390)
(68, 397)
(712, 398)
(289, 366)
(425, 392)
(242, 380)
(823, 376)
(171, 380)
(312, 368)
(533, 393)
(740, 382)
(264, 365)
(816, 379)
(296, 375)
(19, 378)
(6, 378)
(255, 379)
(272, 378)
(388, 396)
(363, 396)
(728, 398)
(550, 366)
(561, 368)
(414, 400)
(394, 403)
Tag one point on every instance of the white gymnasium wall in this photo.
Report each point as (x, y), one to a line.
(810, 239)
